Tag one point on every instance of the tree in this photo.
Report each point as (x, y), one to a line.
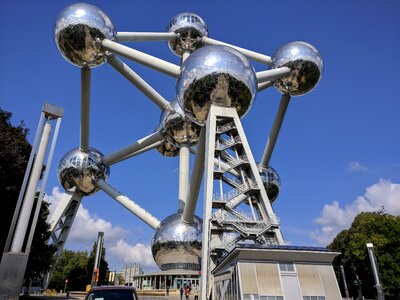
(14, 156)
(383, 231)
(72, 266)
(103, 265)
(41, 253)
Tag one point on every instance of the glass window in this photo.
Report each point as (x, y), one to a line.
(313, 297)
(286, 267)
(251, 297)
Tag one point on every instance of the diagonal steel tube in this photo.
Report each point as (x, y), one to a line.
(195, 180)
(271, 75)
(264, 59)
(142, 58)
(129, 204)
(125, 152)
(264, 85)
(145, 36)
(273, 136)
(140, 83)
(143, 150)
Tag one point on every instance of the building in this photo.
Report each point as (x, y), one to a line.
(276, 273)
(169, 279)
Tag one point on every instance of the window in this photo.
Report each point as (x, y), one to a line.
(271, 297)
(286, 267)
(313, 297)
(251, 297)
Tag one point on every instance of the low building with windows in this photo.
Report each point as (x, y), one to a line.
(276, 273)
(169, 279)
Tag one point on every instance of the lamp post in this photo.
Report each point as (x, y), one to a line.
(346, 290)
(375, 270)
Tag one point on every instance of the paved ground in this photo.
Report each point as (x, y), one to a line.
(37, 297)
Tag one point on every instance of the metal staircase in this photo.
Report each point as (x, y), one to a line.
(237, 208)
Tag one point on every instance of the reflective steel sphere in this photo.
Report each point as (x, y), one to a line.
(80, 170)
(306, 66)
(190, 29)
(271, 181)
(216, 75)
(177, 245)
(167, 149)
(77, 28)
(177, 128)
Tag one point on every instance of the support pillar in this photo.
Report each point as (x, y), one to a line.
(16, 250)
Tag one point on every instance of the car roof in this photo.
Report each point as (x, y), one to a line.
(112, 287)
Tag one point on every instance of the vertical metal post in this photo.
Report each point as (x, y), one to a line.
(346, 290)
(23, 220)
(375, 270)
(96, 266)
(43, 185)
(85, 109)
(38, 134)
(208, 165)
(184, 175)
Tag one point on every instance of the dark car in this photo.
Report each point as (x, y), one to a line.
(112, 293)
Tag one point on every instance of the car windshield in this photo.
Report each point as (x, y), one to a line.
(111, 295)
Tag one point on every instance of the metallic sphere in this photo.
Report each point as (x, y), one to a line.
(271, 181)
(76, 32)
(306, 66)
(190, 29)
(177, 245)
(79, 170)
(177, 128)
(167, 149)
(216, 75)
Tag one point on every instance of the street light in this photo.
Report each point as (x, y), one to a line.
(375, 270)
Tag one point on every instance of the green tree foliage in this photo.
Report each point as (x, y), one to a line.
(103, 265)
(14, 155)
(41, 253)
(383, 231)
(77, 267)
(72, 266)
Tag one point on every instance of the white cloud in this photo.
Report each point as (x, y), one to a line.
(126, 253)
(334, 218)
(86, 227)
(53, 198)
(356, 166)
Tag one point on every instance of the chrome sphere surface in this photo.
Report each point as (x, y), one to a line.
(306, 66)
(190, 29)
(177, 245)
(216, 75)
(80, 170)
(177, 128)
(76, 31)
(271, 181)
(167, 149)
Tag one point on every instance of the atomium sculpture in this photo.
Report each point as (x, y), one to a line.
(216, 86)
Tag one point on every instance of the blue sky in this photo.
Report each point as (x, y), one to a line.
(338, 152)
